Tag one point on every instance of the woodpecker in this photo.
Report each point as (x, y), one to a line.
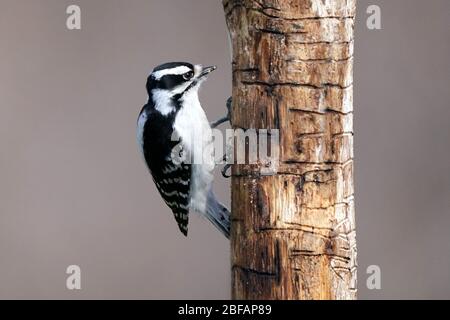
(175, 139)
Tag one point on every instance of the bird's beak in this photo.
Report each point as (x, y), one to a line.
(206, 71)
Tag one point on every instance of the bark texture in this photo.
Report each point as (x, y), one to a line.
(293, 232)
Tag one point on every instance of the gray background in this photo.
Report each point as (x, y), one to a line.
(74, 189)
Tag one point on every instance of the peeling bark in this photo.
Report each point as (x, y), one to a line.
(293, 233)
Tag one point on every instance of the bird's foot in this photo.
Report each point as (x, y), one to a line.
(225, 170)
(217, 123)
(226, 167)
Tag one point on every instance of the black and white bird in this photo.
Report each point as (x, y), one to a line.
(175, 138)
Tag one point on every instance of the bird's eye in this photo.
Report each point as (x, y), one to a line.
(188, 75)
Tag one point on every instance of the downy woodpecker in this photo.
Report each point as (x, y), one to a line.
(173, 123)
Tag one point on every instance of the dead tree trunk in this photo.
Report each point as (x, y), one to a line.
(293, 232)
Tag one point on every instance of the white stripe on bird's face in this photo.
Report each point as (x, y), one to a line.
(173, 71)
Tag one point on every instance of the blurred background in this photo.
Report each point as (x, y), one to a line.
(74, 189)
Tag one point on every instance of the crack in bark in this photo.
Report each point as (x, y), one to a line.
(324, 42)
(253, 271)
(278, 32)
(277, 264)
(291, 161)
(294, 84)
(254, 173)
(328, 207)
(277, 116)
(325, 237)
(322, 113)
(262, 10)
(343, 134)
(250, 69)
(350, 58)
(266, 7)
(297, 253)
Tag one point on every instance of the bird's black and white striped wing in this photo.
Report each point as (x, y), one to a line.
(173, 180)
(174, 187)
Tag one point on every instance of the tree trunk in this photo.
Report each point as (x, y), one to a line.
(293, 232)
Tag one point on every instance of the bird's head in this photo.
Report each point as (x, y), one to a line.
(176, 79)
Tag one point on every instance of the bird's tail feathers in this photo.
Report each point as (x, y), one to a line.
(218, 214)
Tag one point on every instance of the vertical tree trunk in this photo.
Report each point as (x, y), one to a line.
(293, 232)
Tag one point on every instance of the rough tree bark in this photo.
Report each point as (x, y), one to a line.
(293, 232)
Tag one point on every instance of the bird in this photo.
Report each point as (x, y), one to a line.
(175, 139)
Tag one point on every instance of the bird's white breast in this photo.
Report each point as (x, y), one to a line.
(192, 126)
(191, 123)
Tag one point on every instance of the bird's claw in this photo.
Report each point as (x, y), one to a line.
(227, 117)
(217, 123)
(224, 171)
